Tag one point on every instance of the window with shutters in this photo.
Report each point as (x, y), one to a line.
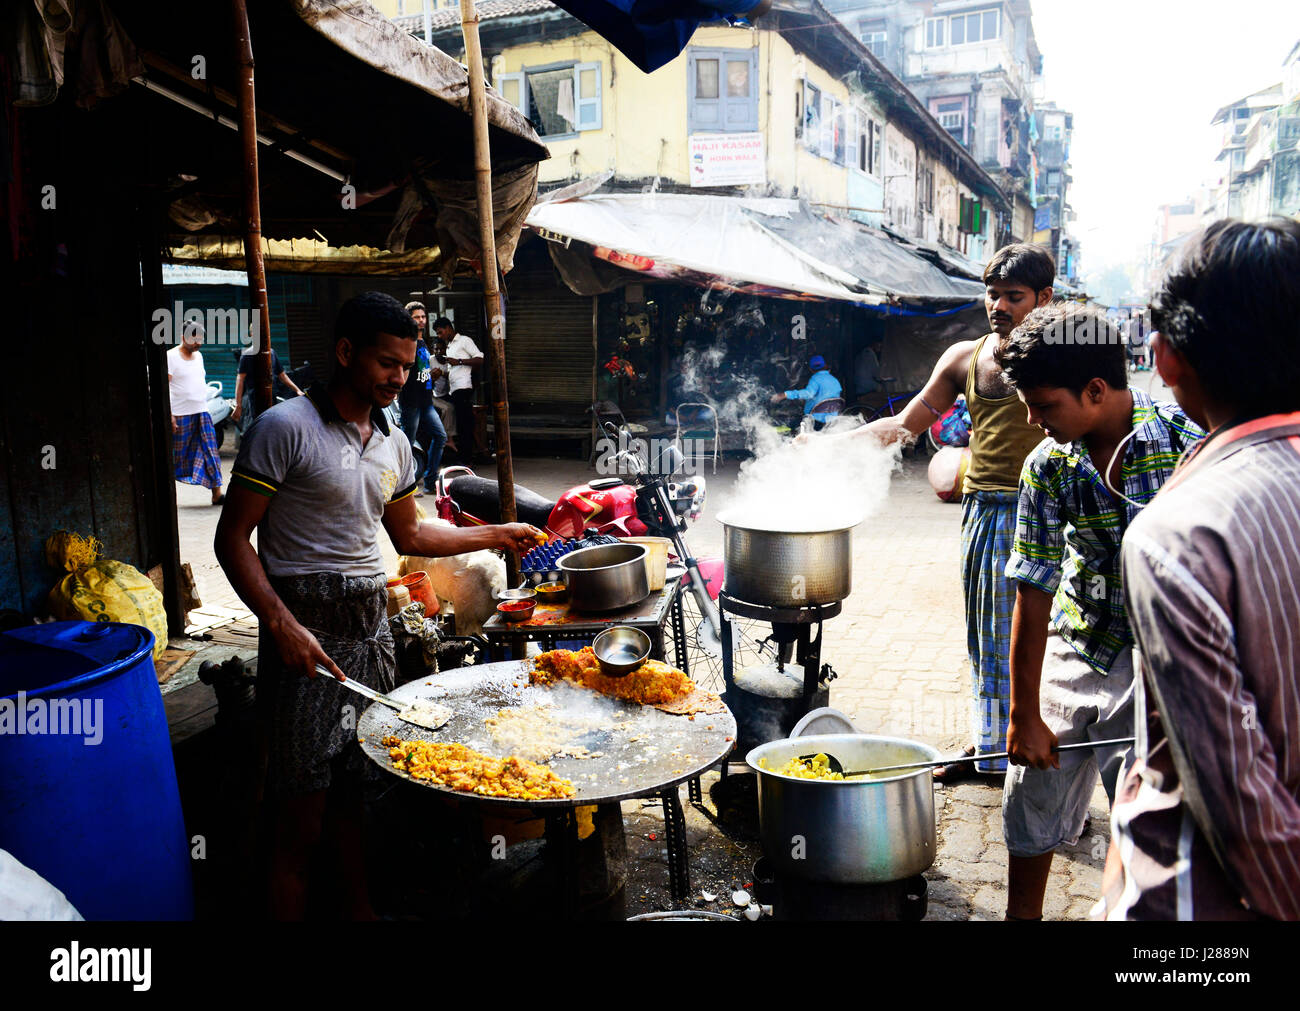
(722, 90)
(560, 101)
(812, 117)
(875, 36)
(951, 114)
(833, 130)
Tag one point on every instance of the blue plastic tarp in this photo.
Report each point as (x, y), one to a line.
(651, 33)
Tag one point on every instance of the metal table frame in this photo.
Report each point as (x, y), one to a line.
(650, 615)
(561, 825)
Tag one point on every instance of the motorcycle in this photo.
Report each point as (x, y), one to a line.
(653, 499)
(219, 409)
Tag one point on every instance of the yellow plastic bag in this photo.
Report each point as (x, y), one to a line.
(103, 590)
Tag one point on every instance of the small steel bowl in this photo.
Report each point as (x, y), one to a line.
(553, 592)
(523, 593)
(621, 650)
(517, 614)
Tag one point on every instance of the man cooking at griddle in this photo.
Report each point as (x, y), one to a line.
(316, 477)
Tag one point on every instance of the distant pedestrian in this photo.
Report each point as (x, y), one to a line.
(463, 356)
(194, 440)
(420, 420)
(245, 400)
(822, 387)
(442, 390)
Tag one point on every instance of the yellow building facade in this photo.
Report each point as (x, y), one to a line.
(739, 111)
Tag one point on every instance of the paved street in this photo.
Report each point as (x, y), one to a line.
(899, 649)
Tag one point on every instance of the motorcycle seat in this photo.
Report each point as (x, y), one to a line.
(478, 497)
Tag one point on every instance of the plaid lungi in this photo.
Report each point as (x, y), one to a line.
(194, 450)
(988, 530)
(313, 721)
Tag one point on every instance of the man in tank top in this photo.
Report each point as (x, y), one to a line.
(1017, 280)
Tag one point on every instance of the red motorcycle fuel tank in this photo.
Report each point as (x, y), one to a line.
(606, 506)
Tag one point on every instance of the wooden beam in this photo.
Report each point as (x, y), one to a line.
(491, 283)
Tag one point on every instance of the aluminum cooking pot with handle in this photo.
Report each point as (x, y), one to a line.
(605, 578)
(847, 831)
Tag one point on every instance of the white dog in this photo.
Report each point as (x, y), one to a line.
(470, 582)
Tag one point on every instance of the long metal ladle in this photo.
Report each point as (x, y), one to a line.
(834, 765)
(429, 717)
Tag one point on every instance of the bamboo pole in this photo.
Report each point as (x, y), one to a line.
(256, 268)
(491, 285)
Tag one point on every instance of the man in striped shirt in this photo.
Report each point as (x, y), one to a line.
(1109, 450)
(1207, 821)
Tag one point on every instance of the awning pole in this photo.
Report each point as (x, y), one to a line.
(261, 376)
(491, 286)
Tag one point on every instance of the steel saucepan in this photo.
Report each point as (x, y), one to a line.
(847, 831)
(782, 568)
(608, 577)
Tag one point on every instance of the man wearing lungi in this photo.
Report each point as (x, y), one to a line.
(194, 440)
(1017, 279)
(316, 477)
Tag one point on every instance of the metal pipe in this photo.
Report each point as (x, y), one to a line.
(491, 285)
(225, 121)
(252, 205)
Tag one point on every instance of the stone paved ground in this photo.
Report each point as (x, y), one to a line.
(899, 649)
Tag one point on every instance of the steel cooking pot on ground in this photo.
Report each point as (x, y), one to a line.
(847, 831)
(783, 568)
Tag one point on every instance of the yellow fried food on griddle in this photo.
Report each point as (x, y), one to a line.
(461, 768)
(653, 683)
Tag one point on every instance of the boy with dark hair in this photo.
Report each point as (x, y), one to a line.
(1017, 279)
(1207, 821)
(316, 477)
(1109, 450)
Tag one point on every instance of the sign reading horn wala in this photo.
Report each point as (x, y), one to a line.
(727, 159)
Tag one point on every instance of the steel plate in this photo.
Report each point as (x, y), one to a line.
(667, 750)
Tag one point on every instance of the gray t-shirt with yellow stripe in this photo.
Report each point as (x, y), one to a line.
(328, 492)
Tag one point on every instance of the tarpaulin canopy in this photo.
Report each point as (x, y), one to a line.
(764, 245)
(651, 33)
(366, 132)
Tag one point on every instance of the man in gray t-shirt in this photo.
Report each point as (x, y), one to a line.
(316, 477)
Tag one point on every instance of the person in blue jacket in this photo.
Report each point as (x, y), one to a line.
(822, 386)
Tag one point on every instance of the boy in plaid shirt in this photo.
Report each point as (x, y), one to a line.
(1109, 450)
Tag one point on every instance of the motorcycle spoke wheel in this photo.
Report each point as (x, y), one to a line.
(705, 663)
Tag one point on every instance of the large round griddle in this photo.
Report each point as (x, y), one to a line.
(667, 750)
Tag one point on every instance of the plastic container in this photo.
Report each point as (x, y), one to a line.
(418, 586)
(398, 596)
(656, 558)
(88, 795)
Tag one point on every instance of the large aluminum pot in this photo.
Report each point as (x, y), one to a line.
(779, 568)
(847, 831)
(608, 577)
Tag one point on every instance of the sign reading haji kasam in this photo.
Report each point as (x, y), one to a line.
(727, 159)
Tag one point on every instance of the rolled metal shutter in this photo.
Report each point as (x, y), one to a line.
(549, 348)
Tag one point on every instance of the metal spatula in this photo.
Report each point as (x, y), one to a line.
(834, 764)
(429, 715)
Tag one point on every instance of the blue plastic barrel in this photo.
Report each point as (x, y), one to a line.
(88, 795)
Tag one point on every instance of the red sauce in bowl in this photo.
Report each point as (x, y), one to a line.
(514, 605)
